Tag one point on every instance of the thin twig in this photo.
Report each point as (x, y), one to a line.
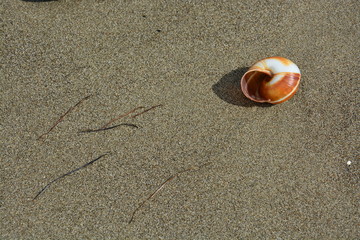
(63, 116)
(161, 186)
(146, 110)
(108, 128)
(67, 174)
(121, 116)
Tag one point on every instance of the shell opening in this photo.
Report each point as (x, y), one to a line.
(252, 82)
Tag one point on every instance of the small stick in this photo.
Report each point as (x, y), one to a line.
(67, 174)
(63, 116)
(121, 116)
(108, 128)
(146, 110)
(161, 186)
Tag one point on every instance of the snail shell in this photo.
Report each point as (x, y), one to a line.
(273, 80)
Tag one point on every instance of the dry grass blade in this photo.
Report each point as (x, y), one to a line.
(109, 128)
(63, 116)
(162, 186)
(146, 110)
(121, 116)
(67, 174)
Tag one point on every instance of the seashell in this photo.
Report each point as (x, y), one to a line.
(273, 80)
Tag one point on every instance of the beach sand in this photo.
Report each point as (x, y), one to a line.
(263, 172)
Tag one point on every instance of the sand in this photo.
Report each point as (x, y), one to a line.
(271, 172)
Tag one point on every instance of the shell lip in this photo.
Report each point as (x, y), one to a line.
(245, 86)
